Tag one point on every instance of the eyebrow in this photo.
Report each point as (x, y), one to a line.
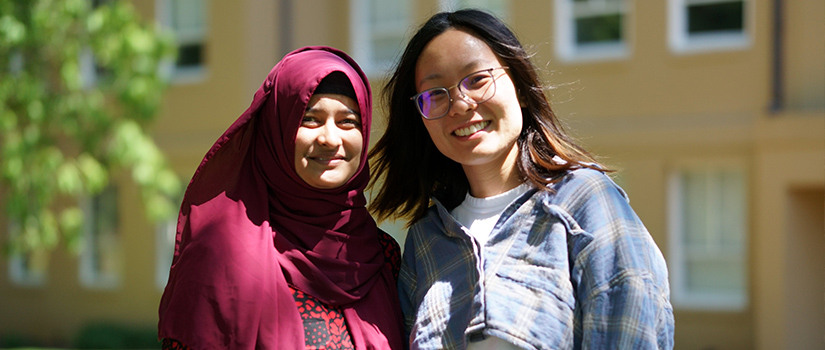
(470, 65)
(354, 112)
(346, 110)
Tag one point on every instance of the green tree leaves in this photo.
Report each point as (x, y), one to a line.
(78, 88)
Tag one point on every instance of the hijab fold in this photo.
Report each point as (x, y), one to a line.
(249, 228)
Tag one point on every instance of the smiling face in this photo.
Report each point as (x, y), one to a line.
(329, 142)
(480, 137)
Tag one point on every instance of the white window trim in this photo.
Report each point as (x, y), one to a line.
(22, 277)
(360, 45)
(565, 42)
(453, 5)
(89, 278)
(680, 42)
(87, 68)
(188, 75)
(19, 275)
(16, 63)
(680, 296)
(88, 62)
(361, 48)
(163, 231)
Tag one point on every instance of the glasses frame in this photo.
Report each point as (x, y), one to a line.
(461, 94)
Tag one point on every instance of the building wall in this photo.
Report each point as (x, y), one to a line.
(644, 115)
(649, 113)
(789, 159)
(55, 311)
(240, 50)
(806, 267)
(804, 53)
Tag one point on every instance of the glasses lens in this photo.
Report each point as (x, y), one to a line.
(433, 103)
(479, 86)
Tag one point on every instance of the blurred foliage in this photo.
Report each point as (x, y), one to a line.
(8, 341)
(113, 335)
(79, 84)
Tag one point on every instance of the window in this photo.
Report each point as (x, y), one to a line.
(702, 25)
(164, 250)
(379, 28)
(27, 269)
(188, 21)
(497, 7)
(708, 230)
(16, 62)
(591, 29)
(100, 263)
(92, 73)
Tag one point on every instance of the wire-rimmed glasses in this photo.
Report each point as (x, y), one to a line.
(476, 87)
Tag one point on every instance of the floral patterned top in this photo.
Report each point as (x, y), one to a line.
(324, 326)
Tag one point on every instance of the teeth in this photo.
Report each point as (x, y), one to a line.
(472, 128)
(323, 159)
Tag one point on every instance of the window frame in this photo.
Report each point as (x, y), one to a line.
(184, 75)
(681, 42)
(565, 26)
(89, 276)
(165, 233)
(682, 296)
(20, 274)
(453, 5)
(361, 37)
(90, 71)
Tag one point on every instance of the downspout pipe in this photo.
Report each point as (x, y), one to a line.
(285, 30)
(777, 72)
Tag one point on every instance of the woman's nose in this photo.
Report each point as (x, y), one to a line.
(328, 135)
(459, 102)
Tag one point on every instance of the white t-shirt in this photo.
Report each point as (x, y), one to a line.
(480, 215)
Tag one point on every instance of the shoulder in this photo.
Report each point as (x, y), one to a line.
(392, 252)
(436, 219)
(594, 208)
(584, 186)
(435, 236)
(585, 179)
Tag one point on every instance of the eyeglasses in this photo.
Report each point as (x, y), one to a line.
(477, 87)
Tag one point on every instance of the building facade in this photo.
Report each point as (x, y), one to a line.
(711, 111)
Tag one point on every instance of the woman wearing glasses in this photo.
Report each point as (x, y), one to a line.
(517, 238)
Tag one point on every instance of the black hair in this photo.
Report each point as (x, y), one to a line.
(336, 83)
(406, 159)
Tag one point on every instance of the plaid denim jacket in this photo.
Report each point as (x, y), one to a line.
(572, 268)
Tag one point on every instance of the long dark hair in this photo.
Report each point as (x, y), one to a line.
(412, 168)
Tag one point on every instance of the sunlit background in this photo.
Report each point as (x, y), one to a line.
(711, 111)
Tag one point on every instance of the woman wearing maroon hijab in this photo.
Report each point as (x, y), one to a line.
(275, 248)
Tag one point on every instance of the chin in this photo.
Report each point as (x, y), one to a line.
(330, 184)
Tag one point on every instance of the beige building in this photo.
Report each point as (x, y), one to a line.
(712, 111)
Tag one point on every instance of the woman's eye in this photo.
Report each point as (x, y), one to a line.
(351, 122)
(309, 121)
(476, 80)
(437, 95)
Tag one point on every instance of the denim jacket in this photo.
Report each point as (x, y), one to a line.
(569, 268)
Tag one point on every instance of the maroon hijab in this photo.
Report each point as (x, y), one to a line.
(249, 228)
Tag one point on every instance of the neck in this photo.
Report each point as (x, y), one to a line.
(494, 178)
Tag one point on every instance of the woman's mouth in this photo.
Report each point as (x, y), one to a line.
(326, 159)
(471, 129)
